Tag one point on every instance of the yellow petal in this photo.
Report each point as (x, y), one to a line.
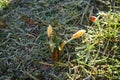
(49, 31)
(78, 34)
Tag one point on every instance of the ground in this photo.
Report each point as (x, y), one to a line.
(24, 44)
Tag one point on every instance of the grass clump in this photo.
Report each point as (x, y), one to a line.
(98, 56)
(3, 4)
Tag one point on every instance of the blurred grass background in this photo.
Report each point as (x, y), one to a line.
(24, 44)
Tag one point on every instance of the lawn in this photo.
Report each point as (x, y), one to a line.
(39, 40)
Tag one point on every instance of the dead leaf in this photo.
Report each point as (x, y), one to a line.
(28, 20)
(2, 24)
(93, 18)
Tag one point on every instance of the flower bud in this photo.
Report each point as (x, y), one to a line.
(78, 34)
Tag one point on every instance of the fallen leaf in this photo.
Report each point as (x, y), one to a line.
(2, 24)
(28, 20)
(93, 18)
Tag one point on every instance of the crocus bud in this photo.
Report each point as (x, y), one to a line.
(49, 31)
(62, 45)
(78, 34)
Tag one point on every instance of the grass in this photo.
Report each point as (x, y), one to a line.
(24, 46)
